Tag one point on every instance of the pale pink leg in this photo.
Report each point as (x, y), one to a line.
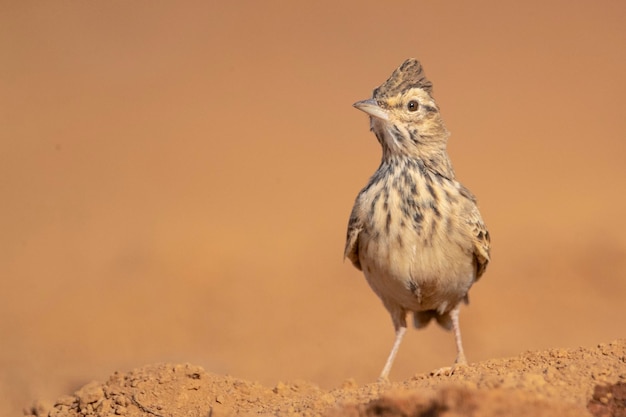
(392, 355)
(460, 354)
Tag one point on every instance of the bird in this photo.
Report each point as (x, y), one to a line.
(415, 231)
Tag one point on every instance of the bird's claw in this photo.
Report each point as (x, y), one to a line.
(448, 370)
(382, 380)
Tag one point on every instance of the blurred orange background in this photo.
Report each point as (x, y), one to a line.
(176, 180)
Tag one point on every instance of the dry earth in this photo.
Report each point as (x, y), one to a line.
(549, 383)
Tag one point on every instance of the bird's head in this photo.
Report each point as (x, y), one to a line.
(403, 114)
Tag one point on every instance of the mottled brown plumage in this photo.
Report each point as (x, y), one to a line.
(414, 231)
(408, 75)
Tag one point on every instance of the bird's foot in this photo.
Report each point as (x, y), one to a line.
(445, 371)
(450, 370)
(383, 380)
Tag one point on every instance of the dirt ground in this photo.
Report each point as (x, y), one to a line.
(176, 182)
(554, 382)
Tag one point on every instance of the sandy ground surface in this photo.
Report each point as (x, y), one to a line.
(176, 182)
(555, 382)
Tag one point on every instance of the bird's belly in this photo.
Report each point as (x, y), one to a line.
(418, 276)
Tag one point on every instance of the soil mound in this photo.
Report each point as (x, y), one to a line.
(564, 382)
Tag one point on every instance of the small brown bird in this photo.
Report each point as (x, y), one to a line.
(414, 230)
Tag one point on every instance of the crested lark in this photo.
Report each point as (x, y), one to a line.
(414, 230)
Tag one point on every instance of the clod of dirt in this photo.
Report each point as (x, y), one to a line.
(554, 382)
(454, 401)
(608, 401)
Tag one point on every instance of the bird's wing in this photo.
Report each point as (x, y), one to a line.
(482, 241)
(352, 239)
(480, 234)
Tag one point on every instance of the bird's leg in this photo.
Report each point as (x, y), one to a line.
(400, 330)
(460, 354)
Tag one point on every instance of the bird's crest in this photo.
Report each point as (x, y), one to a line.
(408, 75)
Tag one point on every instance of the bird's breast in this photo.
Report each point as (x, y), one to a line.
(412, 248)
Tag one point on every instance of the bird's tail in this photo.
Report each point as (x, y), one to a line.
(422, 318)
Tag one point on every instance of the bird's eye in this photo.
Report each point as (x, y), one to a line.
(413, 105)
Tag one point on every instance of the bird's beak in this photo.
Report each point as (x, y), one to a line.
(372, 108)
